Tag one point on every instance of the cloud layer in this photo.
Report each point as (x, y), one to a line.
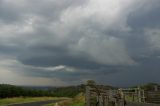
(72, 41)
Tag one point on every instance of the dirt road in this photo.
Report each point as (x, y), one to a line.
(36, 103)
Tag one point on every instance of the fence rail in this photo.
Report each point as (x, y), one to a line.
(153, 97)
(101, 97)
(104, 97)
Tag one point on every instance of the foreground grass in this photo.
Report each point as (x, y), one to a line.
(76, 101)
(78, 104)
(52, 104)
(79, 100)
(16, 100)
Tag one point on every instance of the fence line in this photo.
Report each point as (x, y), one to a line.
(101, 97)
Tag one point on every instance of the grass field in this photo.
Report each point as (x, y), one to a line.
(52, 104)
(76, 101)
(79, 100)
(16, 100)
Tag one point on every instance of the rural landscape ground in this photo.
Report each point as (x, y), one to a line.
(56, 96)
(41, 96)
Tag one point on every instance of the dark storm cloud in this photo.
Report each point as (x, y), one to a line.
(8, 49)
(146, 71)
(77, 40)
(146, 16)
(47, 56)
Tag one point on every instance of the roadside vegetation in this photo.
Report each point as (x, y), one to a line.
(78, 100)
(16, 100)
(10, 94)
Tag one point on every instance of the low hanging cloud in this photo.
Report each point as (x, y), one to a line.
(73, 41)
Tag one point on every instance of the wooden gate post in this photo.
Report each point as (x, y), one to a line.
(156, 88)
(100, 100)
(143, 96)
(139, 94)
(106, 101)
(87, 96)
(116, 102)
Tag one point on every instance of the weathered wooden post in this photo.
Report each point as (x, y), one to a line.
(100, 100)
(120, 98)
(139, 94)
(106, 101)
(87, 96)
(156, 88)
(116, 102)
(103, 98)
(143, 96)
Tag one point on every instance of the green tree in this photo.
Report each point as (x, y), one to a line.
(91, 83)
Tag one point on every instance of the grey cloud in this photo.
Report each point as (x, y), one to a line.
(146, 16)
(16, 11)
(106, 44)
(8, 13)
(53, 56)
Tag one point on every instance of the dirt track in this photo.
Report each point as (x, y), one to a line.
(36, 103)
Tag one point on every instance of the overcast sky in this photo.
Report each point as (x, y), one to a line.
(66, 42)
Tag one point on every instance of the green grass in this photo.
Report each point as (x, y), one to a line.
(78, 104)
(52, 104)
(16, 100)
(76, 101)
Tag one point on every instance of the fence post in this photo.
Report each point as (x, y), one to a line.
(100, 100)
(87, 96)
(139, 94)
(106, 101)
(143, 96)
(155, 88)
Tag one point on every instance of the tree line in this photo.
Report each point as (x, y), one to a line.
(7, 91)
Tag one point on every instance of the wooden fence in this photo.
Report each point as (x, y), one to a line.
(141, 96)
(153, 97)
(104, 97)
(101, 97)
(134, 94)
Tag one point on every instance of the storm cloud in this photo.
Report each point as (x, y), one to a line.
(65, 42)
